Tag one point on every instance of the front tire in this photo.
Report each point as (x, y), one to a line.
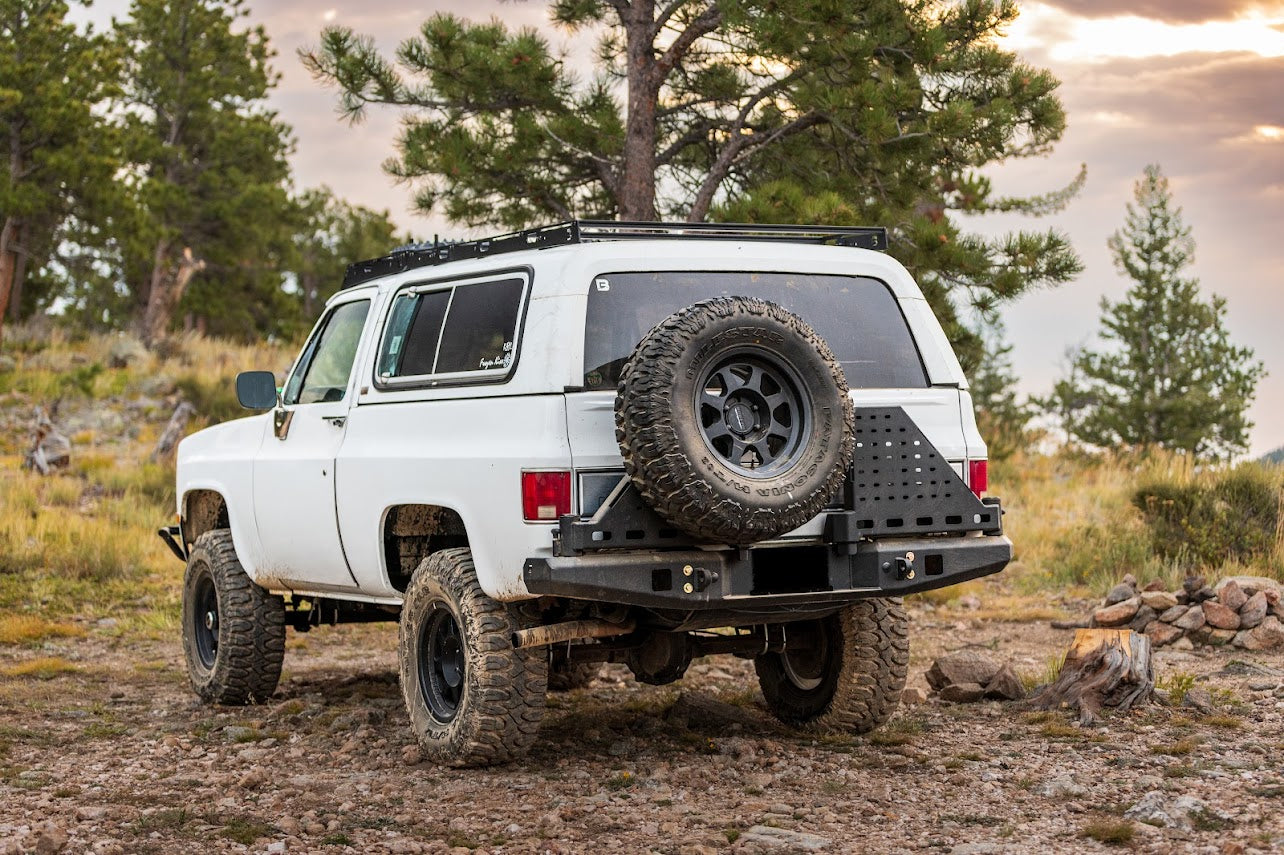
(472, 698)
(846, 674)
(233, 630)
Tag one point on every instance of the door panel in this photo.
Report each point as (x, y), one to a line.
(294, 483)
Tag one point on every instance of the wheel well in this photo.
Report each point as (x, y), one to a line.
(412, 532)
(203, 510)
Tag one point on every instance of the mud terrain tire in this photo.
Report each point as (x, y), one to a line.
(233, 630)
(852, 679)
(473, 699)
(734, 421)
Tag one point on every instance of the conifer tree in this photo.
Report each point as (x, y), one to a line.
(1168, 375)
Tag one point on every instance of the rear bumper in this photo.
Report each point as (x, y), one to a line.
(754, 579)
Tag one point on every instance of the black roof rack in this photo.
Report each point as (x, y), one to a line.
(417, 255)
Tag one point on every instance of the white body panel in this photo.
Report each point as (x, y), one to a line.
(464, 447)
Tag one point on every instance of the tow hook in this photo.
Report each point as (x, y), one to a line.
(904, 566)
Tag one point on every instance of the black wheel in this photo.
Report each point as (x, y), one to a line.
(565, 675)
(233, 630)
(473, 700)
(734, 420)
(844, 672)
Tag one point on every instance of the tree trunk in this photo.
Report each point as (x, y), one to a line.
(1103, 668)
(168, 281)
(636, 195)
(173, 432)
(19, 279)
(308, 284)
(8, 265)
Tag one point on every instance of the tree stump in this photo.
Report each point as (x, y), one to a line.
(1103, 668)
(173, 432)
(49, 449)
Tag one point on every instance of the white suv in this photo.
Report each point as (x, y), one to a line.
(595, 442)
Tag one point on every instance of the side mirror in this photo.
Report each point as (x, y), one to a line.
(256, 390)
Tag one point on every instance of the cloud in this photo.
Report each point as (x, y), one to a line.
(1171, 11)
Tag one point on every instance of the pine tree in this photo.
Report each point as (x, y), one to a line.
(211, 182)
(57, 149)
(870, 112)
(1169, 376)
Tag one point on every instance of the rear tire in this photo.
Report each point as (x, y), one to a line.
(473, 699)
(851, 675)
(233, 630)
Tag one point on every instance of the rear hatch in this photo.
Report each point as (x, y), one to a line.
(857, 316)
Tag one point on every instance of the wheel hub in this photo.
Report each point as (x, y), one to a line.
(441, 664)
(752, 415)
(203, 619)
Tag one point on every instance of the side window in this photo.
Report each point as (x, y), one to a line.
(469, 328)
(326, 364)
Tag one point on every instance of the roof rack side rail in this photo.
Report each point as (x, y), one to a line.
(413, 256)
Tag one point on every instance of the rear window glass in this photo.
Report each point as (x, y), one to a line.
(469, 328)
(856, 316)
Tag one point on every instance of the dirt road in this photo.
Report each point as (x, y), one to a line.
(116, 756)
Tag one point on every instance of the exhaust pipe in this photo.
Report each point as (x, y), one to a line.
(556, 633)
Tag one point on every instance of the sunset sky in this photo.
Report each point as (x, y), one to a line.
(1194, 85)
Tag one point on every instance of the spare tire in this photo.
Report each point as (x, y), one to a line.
(734, 420)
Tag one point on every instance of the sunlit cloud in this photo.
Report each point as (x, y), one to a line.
(1269, 133)
(1068, 38)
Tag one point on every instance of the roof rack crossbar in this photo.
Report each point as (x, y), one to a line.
(437, 253)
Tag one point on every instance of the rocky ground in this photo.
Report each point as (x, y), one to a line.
(116, 756)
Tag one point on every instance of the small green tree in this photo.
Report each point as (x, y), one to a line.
(58, 153)
(335, 233)
(1170, 377)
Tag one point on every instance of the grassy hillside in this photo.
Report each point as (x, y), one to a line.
(81, 544)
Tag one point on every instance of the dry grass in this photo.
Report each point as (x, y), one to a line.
(25, 629)
(42, 668)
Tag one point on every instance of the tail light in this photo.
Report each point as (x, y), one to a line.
(978, 476)
(545, 495)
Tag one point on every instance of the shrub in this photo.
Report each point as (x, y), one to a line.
(1229, 515)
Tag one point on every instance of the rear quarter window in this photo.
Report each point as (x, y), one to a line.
(857, 316)
(463, 332)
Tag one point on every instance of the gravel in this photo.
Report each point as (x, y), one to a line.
(328, 764)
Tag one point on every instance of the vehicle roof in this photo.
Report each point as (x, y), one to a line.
(568, 270)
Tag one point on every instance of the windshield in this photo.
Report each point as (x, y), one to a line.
(856, 316)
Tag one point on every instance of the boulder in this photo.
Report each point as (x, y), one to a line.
(1160, 601)
(1192, 620)
(1252, 584)
(1117, 614)
(1193, 584)
(1219, 637)
(125, 351)
(1119, 593)
(1154, 585)
(768, 838)
(1171, 615)
(963, 693)
(1005, 685)
(1144, 617)
(1161, 633)
(1231, 595)
(1268, 635)
(1162, 809)
(1220, 616)
(1199, 700)
(965, 666)
(1254, 610)
(913, 696)
(1203, 594)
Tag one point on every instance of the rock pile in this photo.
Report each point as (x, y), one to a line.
(969, 675)
(1243, 611)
